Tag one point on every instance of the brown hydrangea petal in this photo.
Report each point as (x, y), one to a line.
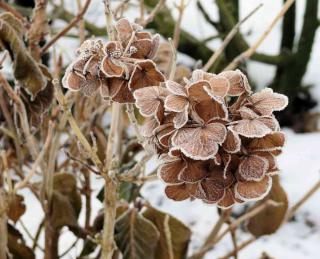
(232, 143)
(164, 133)
(113, 49)
(219, 87)
(119, 90)
(155, 46)
(177, 192)
(251, 191)
(141, 35)
(221, 178)
(90, 47)
(228, 199)
(169, 172)
(145, 74)
(73, 80)
(124, 31)
(238, 104)
(238, 82)
(149, 99)
(148, 128)
(209, 110)
(270, 142)
(210, 191)
(176, 103)
(104, 89)
(251, 128)
(92, 66)
(247, 113)
(272, 165)
(266, 101)
(200, 75)
(197, 93)
(194, 171)
(176, 88)
(271, 122)
(110, 68)
(181, 118)
(79, 65)
(253, 168)
(91, 85)
(200, 143)
(143, 49)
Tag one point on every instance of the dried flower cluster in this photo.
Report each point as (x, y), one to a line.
(217, 139)
(117, 67)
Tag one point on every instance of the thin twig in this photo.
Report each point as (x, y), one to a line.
(228, 38)
(110, 190)
(233, 225)
(177, 28)
(239, 248)
(61, 99)
(153, 13)
(304, 198)
(248, 53)
(73, 23)
(134, 122)
(234, 242)
(9, 8)
(213, 233)
(173, 62)
(37, 162)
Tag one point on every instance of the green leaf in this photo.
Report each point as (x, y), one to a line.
(26, 70)
(174, 235)
(270, 219)
(136, 236)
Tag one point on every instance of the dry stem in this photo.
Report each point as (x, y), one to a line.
(36, 163)
(153, 13)
(227, 40)
(110, 189)
(73, 23)
(239, 248)
(177, 28)
(248, 53)
(305, 197)
(210, 244)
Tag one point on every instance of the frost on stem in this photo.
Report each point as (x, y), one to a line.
(217, 140)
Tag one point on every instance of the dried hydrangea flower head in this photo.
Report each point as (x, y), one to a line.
(217, 140)
(84, 73)
(117, 67)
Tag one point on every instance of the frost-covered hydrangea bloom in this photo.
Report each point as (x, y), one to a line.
(117, 67)
(217, 140)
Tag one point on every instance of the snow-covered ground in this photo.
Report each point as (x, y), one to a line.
(299, 163)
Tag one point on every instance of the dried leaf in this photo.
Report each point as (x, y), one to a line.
(136, 236)
(26, 70)
(179, 234)
(17, 246)
(270, 219)
(16, 207)
(66, 201)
